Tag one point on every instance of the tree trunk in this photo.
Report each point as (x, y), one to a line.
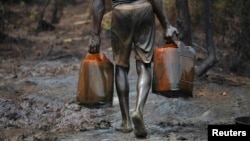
(183, 21)
(211, 60)
(53, 11)
(108, 6)
(40, 21)
(242, 42)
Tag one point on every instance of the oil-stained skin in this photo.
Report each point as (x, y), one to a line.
(121, 73)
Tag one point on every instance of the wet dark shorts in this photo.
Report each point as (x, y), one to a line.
(133, 25)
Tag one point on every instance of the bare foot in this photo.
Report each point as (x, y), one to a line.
(124, 128)
(139, 130)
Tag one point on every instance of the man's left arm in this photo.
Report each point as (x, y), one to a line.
(160, 12)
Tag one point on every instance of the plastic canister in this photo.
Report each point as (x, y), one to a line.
(96, 81)
(166, 69)
(173, 70)
(187, 60)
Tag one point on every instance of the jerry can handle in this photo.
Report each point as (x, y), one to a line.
(172, 39)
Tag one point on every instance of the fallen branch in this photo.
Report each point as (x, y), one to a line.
(230, 79)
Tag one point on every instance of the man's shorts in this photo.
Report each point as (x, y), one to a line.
(133, 25)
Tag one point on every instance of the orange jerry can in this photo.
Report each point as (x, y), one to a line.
(173, 70)
(187, 59)
(96, 81)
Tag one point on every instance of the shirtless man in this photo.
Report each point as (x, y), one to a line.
(133, 26)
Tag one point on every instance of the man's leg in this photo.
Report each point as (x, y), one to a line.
(143, 87)
(122, 86)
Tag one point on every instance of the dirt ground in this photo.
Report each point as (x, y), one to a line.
(38, 84)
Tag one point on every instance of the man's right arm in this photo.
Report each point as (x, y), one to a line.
(98, 9)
